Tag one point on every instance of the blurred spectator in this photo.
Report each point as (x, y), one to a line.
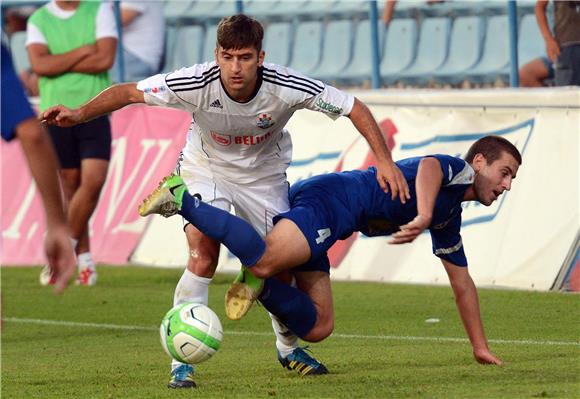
(537, 72)
(563, 48)
(29, 82)
(143, 39)
(15, 19)
(71, 45)
(19, 121)
(389, 9)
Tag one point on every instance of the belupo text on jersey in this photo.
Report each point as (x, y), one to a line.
(225, 139)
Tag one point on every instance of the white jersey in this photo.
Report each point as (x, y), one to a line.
(242, 142)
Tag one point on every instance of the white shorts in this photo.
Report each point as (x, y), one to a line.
(257, 202)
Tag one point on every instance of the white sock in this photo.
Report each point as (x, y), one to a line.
(190, 288)
(286, 341)
(85, 260)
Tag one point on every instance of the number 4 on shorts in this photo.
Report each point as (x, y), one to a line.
(323, 234)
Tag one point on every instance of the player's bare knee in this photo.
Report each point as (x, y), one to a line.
(319, 332)
(93, 186)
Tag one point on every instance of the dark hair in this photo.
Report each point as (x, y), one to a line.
(491, 148)
(239, 31)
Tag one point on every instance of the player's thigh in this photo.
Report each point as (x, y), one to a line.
(316, 284)
(259, 202)
(286, 248)
(200, 180)
(203, 251)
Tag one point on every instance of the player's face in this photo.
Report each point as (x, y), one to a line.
(239, 70)
(491, 180)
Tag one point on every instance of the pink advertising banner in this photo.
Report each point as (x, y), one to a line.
(146, 145)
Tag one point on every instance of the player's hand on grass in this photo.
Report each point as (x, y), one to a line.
(62, 116)
(60, 256)
(390, 177)
(484, 356)
(410, 231)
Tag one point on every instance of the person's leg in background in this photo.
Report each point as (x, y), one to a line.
(94, 138)
(536, 72)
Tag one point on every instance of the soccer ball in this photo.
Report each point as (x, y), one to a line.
(191, 333)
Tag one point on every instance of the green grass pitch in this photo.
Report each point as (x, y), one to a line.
(102, 342)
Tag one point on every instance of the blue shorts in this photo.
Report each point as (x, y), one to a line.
(318, 209)
(320, 264)
(15, 106)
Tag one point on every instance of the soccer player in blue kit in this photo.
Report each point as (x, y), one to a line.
(331, 207)
(19, 121)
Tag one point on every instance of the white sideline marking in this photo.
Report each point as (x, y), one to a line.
(256, 333)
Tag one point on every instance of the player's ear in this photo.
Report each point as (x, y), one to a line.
(479, 162)
(261, 56)
(215, 53)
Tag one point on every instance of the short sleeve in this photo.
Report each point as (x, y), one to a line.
(332, 102)
(447, 242)
(139, 6)
(157, 92)
(34, 35)
(106, 25)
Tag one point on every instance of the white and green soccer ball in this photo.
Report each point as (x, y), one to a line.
(191, 333)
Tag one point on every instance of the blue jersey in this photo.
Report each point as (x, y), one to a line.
(330, 207)
(15, 107)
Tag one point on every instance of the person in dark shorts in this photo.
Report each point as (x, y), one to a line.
(71, 46)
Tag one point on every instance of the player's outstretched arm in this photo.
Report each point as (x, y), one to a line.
(388, 174)
(468, 307)
(107, 101)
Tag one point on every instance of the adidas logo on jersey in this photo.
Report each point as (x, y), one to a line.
(216, 104)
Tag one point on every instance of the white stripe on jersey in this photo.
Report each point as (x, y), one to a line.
(466, 175)
(242, 141)
(193, 82)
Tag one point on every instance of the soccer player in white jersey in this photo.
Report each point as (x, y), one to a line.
(237, 149)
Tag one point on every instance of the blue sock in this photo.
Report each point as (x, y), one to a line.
(293, 307)
(235, 233)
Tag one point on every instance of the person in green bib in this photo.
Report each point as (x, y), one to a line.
(71, 46)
